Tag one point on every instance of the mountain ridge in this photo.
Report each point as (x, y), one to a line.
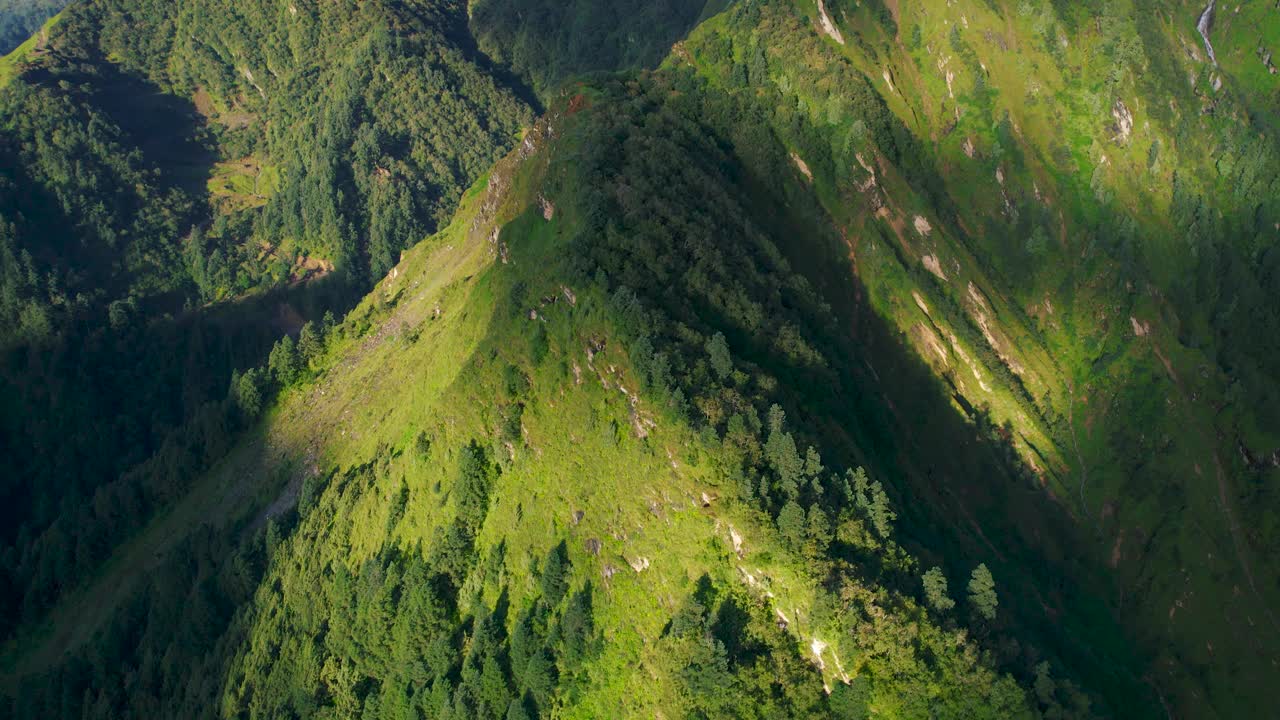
(971, 214)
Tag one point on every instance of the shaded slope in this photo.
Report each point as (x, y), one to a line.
(551, 42)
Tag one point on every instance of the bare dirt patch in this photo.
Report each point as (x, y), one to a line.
(932, 265)
(802, 166)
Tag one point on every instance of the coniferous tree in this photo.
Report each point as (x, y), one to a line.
(283, 361)
(935, 590)
(718, 352)
(982, 592)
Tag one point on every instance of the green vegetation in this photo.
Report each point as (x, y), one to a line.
(19, 20)
(552, 41)
(716, 397)
(478, 570)
(141, 182)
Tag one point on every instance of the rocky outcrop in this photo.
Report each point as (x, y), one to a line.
(932, 265)
(802, 166)
(1265, 56)
(1124, 120)
(828, 26)
(1203, 26)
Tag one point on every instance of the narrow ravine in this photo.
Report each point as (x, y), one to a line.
(1206, 20)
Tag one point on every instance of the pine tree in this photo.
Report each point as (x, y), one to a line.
(576, 629)
(791, 523)
(310, 343)
(247, 393)
(935, 590)
(982, 592)
(554, 582)
(474, 477)
(721, 361)
(283, 361)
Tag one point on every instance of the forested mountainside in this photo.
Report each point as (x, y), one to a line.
(19, 19)
(895, 359)
(153, 179)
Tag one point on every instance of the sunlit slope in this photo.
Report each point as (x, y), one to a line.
(1071, 216)
(504, 500)
(591, 454)
(36, 44)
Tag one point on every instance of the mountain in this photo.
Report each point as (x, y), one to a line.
(19, 19)
(825, 359)
(171, 214)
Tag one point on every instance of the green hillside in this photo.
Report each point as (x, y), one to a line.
(504, 499)
(164, 220)
(1081, 244)
(801, 359)
(20, 19)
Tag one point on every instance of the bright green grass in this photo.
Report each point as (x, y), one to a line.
(243, 184)
(9, 64)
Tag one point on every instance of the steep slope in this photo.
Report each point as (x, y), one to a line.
(552, 42)
(1015, 260)
(148, 175)
(507, 504)
(1071, 216)
(20, 19)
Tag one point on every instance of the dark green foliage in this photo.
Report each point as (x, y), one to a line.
(311, 341)
(517, 711)
(554, 580)
(576, 631)
(361, 178)
(283, 361)
(422, 445)
(475, 476)
(247, 390)
(783, 456)
(982, 592)
(19, 19)
(869, 496)
(791, 523)
(935, 590)
(398, 636)
(718, 354)
(850, 702)
(312, 486)
(377, 120)
(550, 41)
(735, 660)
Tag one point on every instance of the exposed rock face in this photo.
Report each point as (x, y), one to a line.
(932, 265)
(802, 166)
(888, 78)
(1265, 56)
(922, 226)
(1124, 120)
(1204, 25)
(828, 26)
